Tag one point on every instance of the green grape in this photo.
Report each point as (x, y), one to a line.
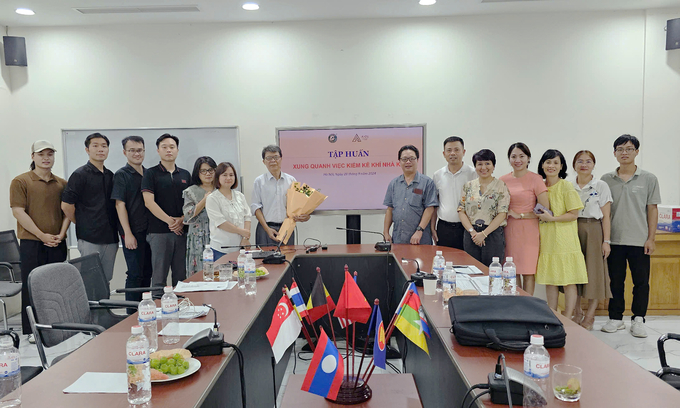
(164, 360)
(180, 370)
(164, 368)
(186, 365)
(172, 362)
(177, 356)
(173, 370)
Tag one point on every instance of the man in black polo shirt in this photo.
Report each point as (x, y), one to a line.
(162, 188)
(86, 201)
(133, 216)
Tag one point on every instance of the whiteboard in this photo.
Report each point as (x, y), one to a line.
(220, 143)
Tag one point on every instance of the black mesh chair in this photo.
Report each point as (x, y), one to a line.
(98, 289)
(27, 372)
(671, 375)
(11, 265)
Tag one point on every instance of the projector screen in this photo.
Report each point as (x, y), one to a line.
(352, 166)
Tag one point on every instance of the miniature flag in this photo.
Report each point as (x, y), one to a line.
(285, 328)
(352, 304)
(296, 298)
(379, 346)
(320, 301)
(411, 320)
(325, 372)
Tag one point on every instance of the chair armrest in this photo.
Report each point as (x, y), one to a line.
(137, 290)
(660, 346)
(118, 303)
(668, 370)
(8, 265)
(92, 328)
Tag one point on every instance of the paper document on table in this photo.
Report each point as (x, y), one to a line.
(184, 287)
(478, 283)
(189, 312)
(467, 269)
(99, 383)
(189, 329)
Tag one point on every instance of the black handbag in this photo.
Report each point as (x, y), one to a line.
(504, 322)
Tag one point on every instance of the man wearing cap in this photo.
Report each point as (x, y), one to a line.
(86, 201)
(35, 199)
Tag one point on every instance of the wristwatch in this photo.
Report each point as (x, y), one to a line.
(521, 216)
(419, 228)
(470, 230)
(607, 241)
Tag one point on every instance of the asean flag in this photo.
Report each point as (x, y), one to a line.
(284, 329)
(324, 376)
(379, 353)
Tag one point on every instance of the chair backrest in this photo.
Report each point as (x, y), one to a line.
(92, 273)
(9, 251)
(57, 295)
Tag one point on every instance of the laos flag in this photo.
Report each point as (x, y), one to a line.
(324, 376)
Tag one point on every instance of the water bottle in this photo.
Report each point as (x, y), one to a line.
(495, 277)
(251, 278)
(448, 284)
(147, 319)
(509, 277)
(10, 373)
(208, 264)
(438, 268)
(170, 311)
(536, 372)
(138, 368)
(241, 262)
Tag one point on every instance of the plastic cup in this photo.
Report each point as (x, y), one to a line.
(225, 272)
(567, 382)
(430, 286)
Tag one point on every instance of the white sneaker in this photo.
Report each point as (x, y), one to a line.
(637, 327)
(31, 338)
(613, 325)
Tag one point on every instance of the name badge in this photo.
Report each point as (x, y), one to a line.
(418, 191)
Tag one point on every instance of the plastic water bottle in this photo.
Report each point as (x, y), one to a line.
(251, 277)
(241, 262)
(138, 368)
(438, 268)
(536, 372)
(147, 319)
(170, 311)
(495, 277)
(448, 284)
(10, 373)
(208, 264)
(509, 277)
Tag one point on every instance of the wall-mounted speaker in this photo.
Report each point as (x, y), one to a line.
(15, 51)
(673, 34)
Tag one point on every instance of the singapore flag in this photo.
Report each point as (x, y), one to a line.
(285, 328)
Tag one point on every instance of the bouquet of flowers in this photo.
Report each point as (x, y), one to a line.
(301, 199)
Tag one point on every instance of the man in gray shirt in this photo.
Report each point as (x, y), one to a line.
(634, 219)
(410, 199)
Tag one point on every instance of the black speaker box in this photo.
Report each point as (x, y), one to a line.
(15, 51)
(673, 34)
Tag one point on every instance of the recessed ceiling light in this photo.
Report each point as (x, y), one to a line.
(427, 2)
(25, 11)
(251, 6)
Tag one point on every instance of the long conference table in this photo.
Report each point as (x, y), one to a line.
(609, 379)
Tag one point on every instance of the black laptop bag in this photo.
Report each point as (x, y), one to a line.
(504, 322)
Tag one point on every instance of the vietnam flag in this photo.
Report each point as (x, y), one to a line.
(352, 304)
(320, 301)
(411, 320)
(325, 372)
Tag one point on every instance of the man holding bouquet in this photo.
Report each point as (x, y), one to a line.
(268, 201)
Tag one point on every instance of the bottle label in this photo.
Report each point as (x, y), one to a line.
(147, 315)
(138, 356)
(9, 365)
(537, 367)
(169, 306)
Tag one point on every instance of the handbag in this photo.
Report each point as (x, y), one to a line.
(504, 322)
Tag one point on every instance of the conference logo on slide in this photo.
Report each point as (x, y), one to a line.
(332, 138)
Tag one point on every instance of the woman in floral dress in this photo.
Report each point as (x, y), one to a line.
(195, 216)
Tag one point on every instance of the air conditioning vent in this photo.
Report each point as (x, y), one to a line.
(137, 10)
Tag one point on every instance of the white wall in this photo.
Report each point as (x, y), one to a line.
(568, 81)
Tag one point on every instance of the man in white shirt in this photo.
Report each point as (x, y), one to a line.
(268, 201)
(449, 181)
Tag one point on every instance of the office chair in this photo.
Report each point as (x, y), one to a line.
(27, 372)
(671, 375)
(9, 261)
(60, 307)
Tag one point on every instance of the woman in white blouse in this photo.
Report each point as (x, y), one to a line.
(594, 228)
(228, 212)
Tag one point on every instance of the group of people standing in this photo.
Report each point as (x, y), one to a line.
(164, 215)
(573, 236)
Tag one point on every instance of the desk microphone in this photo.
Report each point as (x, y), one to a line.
(383, 246)
(419, 275)
(208, 342)
(278, 257)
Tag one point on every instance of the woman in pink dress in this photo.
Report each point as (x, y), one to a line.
(521, 234)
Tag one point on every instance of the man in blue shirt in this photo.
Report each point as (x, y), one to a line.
(411, 200)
